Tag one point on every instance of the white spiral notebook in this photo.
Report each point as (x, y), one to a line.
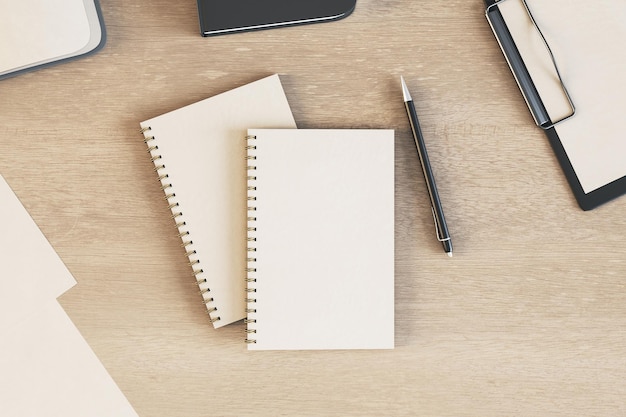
(198, 153)
(320, 239)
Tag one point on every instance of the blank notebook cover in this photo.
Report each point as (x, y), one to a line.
(198, 153)
(320, 239)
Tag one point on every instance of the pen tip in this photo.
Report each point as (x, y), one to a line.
(405, 91)
(450, 254)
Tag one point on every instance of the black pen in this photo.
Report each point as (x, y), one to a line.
(440, 222)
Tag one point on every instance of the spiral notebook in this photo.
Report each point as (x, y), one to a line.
(320, 239)
(198, 153)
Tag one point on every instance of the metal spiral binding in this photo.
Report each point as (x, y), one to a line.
(177, 216)
(251, 275)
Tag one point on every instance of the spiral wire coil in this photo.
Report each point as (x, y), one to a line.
(251, 269)
(170, 196)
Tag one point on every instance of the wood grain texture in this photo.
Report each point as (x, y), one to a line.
(527, 319)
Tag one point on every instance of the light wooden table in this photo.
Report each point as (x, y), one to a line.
(527, 319)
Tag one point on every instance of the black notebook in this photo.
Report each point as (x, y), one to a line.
(218, 17)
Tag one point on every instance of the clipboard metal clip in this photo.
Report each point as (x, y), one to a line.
(539, 72)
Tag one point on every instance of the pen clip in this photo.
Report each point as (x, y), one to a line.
(439, 238)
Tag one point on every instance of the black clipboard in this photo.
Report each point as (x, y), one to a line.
(219, 17)
(586, 200)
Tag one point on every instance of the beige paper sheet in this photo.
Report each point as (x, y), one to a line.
(324, 239)
(586, 39)
(46, 367)
(48, 370)
(202, 148)
(31, 270)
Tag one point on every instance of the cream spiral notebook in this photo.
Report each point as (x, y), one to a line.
(320, 239)
(198, 154)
